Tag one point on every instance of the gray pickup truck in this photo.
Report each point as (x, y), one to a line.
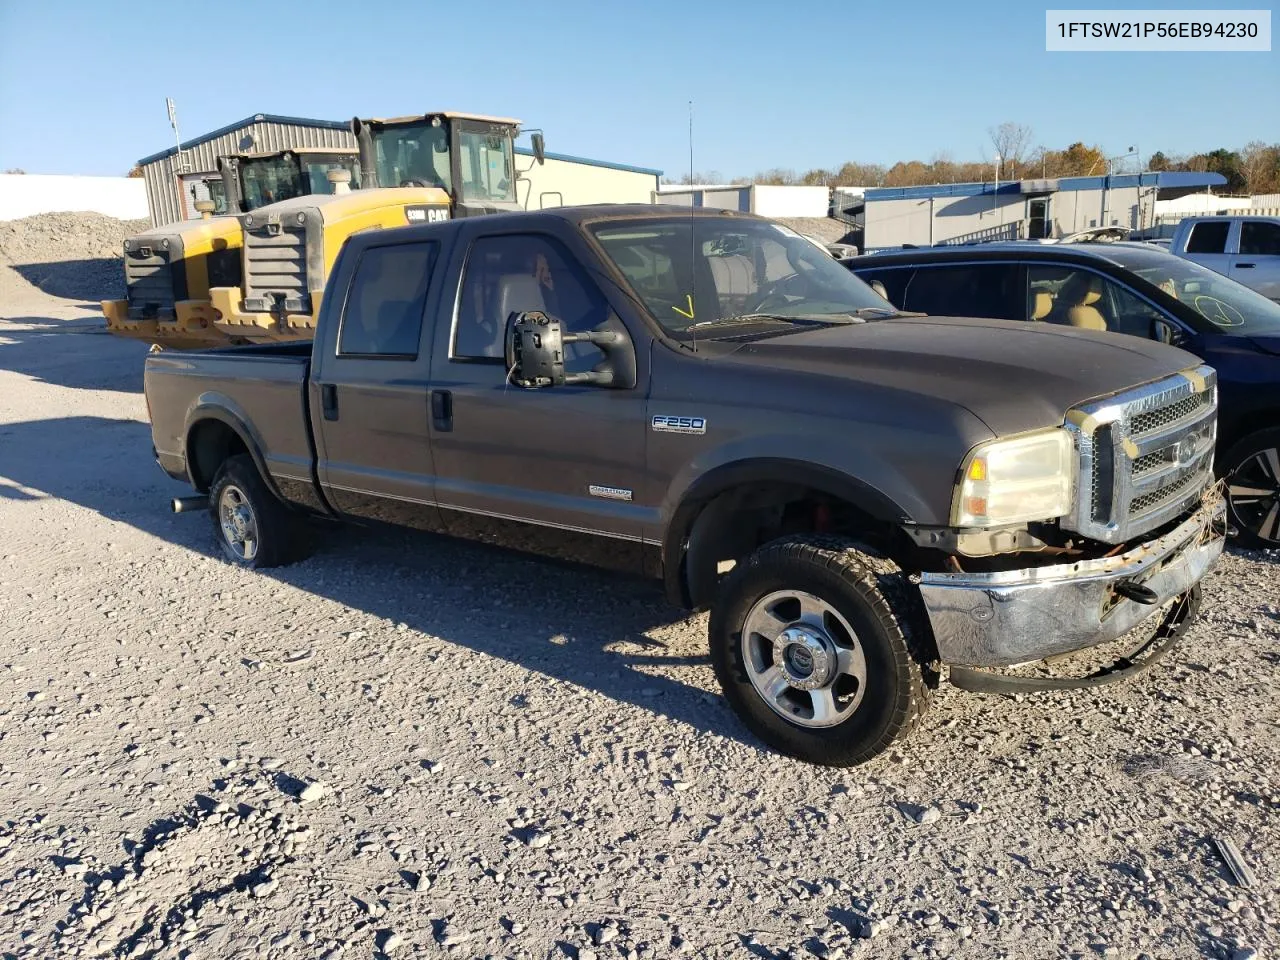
(867, 502)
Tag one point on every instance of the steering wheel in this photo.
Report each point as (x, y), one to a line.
(775, 291)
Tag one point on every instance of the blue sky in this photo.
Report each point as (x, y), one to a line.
(82, 84)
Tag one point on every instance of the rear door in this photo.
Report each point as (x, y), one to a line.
(557, 470)
(369, 393)
(1257, 265)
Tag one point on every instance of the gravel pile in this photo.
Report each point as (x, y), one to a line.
(405, 746)
(71, 255)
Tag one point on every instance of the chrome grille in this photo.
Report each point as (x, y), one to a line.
(1145, 502)
(275, 268)
(148, 282)
(1144, 423)
(1145, 455)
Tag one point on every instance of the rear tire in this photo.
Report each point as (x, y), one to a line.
(253, 528)
(1252, 471)
(823, 649)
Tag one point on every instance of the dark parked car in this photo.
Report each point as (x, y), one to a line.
(1134, 289)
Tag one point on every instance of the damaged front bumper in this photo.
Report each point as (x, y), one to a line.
(1019, 616)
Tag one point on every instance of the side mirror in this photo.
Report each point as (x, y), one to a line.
(539, 148)
(1166, 332)
(534, 350)
(878, 287)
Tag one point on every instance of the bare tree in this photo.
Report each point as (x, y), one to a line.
(1011, 141)
(1260, 165)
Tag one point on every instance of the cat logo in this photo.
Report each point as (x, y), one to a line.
(666, 424)
(421, 214)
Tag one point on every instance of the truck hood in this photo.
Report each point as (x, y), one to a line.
(1014, 376)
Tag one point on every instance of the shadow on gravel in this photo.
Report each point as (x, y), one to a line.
(573, 623)
(101, 278)
(72, 353)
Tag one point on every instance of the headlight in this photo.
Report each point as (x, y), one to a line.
(1015, 480)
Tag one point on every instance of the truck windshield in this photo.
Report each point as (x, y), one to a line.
(704, 272)
(1227, 306)
(413, 154)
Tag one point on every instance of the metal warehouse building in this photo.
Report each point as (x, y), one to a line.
(1021, 209)
(176, 178)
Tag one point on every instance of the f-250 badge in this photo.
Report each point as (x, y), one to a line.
(665, 424)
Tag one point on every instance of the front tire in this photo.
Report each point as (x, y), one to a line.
(254, 529)
(823, 649)
(1252, 471)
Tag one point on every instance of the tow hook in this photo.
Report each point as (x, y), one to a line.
(189, 504)
(1136, 592)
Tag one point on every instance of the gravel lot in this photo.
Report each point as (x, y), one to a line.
(407, 746)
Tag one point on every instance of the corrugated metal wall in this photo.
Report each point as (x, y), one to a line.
(162, 175)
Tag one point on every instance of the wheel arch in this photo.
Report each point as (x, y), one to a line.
(702, 525)
(214, 433)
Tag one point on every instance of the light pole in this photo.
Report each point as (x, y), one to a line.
(995, 194)
(1106, 186)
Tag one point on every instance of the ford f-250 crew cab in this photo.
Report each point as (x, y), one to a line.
(866, 501)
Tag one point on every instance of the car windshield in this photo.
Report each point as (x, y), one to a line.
(1228, 306)
(704, 276)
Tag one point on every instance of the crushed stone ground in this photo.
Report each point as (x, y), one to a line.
(410, 747)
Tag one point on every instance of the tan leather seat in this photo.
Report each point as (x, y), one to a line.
(1076, 299)
(1043, 304)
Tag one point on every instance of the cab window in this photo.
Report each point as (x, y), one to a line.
(1260, 238)
(383, 313)
(517, 273)
(1209, 236)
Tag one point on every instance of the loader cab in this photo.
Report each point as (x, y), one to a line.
(253, 180)
(470, 157)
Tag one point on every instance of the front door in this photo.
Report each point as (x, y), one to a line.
(1257, 265)
(558, 470)
(370, 392)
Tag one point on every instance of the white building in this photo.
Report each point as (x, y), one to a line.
(1030, 209)
(565, 181)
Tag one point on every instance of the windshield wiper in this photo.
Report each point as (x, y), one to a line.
(795, 318)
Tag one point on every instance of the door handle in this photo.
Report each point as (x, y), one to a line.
(1243, 266)
(442, 410)
(329, 400)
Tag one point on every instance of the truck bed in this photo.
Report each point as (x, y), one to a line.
(263, 387)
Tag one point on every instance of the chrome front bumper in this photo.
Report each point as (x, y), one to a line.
(1018, 616)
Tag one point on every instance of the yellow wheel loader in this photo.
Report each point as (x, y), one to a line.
(414, 169)
(170, 269)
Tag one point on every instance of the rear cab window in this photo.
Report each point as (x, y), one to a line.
(383, 314)
(1209, 236)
